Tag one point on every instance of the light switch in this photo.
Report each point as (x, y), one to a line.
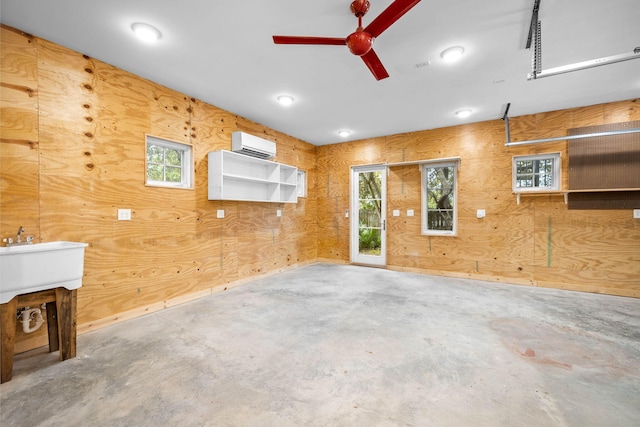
(396, 212)
(124, 214)
(636, 213)
(279, 213)
(410, 212)
(481, 213)
(220, 213)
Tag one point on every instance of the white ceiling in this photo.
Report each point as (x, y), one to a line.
(221, 52)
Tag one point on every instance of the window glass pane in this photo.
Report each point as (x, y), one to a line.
(440, 220)
(524, 167)
(543, 180)
(440, 192)
(370, 185)
(174, 157)
(173, 174)
(432, 199)
(537, 172)
(155, 154)
(369, 241)
(451, 200)
(155, 172)
(524, 183)
(369, 215)
(168, 162)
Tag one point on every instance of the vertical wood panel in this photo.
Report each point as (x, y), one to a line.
(75, 147)
(19, 133)
(537, 242)
(334, 169)
(73, 153)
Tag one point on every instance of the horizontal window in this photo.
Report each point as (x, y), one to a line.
(168, 163)
(538, 172)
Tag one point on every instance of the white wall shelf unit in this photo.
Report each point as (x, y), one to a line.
(234, 176)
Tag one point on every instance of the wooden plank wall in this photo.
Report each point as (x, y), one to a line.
(73, 152)
(539, 242)
(18, 133)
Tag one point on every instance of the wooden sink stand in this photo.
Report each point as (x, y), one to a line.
(61, 306)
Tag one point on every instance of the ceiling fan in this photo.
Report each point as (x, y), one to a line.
(360, 42)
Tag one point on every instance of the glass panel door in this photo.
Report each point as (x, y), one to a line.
(368, 220)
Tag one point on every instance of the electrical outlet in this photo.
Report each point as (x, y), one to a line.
(636, 213)
(278, 213)
(124, 214)
(410, 212)
(220, 213)
(481, 213)
(396, 212)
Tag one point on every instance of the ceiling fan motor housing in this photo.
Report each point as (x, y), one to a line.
(360, 42)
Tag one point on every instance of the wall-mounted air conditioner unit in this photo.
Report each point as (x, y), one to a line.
(252, 145)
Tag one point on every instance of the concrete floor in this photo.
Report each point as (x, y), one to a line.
(336, 345)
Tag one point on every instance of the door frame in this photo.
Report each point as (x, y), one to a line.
(354, 229)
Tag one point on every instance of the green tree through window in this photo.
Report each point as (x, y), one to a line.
(439, 198)
(168, 163)
(370, 212)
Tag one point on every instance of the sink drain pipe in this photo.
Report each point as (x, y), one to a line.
(29, 314)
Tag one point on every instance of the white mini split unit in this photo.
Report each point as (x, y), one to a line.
(252, 145)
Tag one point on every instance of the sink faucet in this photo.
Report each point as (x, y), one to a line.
(8, 241)
(20, 231)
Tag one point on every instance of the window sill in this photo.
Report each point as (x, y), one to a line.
(442, 234)
(161, 185)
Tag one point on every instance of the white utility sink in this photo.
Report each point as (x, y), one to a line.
(40, 266)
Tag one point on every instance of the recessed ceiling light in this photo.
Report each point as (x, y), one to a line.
(463, 114)
(146, 32)
(285, 100)
(452, 54)
(344, 133)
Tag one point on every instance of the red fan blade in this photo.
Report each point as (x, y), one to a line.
(389, 16)
(309, 40)
(375, 65)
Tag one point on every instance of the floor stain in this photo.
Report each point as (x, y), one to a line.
(562, 347)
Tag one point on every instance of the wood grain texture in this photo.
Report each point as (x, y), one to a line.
(334, 163)
(75, 152)
(538, 242)
(19, 133)
(19, 139)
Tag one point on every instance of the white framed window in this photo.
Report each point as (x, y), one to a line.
(538, 172)
(439, 198)
(168, 163)
(302, 183)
